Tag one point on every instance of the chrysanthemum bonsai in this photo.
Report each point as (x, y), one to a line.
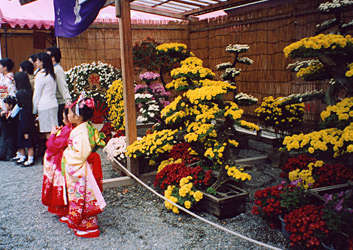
(283, 119)
(145, 54)
(115, 102)
(201, 118)
(326, 56)
(230, 72)
(169, 55)
(330, 57)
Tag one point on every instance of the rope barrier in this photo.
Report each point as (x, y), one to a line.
(193, 214)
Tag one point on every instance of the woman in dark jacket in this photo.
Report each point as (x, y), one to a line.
(25, 119)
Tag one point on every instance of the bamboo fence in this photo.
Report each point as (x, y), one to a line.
(267, 29)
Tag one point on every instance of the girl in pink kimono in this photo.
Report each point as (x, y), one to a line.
(53, 188)
(85, 199)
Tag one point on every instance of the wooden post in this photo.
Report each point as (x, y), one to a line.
(127, 72)
(57, 42)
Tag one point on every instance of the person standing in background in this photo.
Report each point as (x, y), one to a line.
(7, 86)
(62, 92)
(25, 126)
(28, 68)
(33, 59)
(44, 100)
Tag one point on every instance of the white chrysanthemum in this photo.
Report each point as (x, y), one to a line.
(116, 148)
(230, 72)
(223, 66)
(243, 98)
(334, 4)
(237, 48)
(296, 66)
(245, 60)
(78, 79)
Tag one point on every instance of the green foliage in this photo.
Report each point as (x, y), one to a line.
(211, 190)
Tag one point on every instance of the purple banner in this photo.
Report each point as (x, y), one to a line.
(72, 17)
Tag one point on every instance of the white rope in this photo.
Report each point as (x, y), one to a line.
(193, 214)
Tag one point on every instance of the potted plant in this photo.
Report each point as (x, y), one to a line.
(306, 227)
(273, 203)
(230, 73)
(267, 204)
(282, 118)
(200, 117)
(300, 162)
(338, 216)
(150, 97)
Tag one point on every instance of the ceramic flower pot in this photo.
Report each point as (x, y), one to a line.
(228, 202)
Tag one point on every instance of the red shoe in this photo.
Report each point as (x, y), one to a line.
(64, 219)
(87, 234)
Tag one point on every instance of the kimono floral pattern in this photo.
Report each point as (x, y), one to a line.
(83, 190)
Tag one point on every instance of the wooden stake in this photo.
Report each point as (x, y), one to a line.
(57, 42)
(127, 72)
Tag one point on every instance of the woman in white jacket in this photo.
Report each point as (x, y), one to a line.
(44, 96)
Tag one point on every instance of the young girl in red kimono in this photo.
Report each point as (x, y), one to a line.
(83, 171)
(53, 188)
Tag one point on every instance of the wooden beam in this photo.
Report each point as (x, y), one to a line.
(218, 6)
(251, 159)
(23, 2)
(188, 3)
(127, 72)
(108, 2)
(150, 10)
(160, 3)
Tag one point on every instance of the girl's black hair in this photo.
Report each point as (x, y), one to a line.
(47, 64)
(24, 98)
(22, 81)
(8, 63)
(11, 100)
(66, 111)
(55, 52)
(85, 112)
(34, 57)
(27, 67)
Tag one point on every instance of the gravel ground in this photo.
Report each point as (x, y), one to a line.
(133, 219)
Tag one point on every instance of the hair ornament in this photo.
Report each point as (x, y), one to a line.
(83, 101)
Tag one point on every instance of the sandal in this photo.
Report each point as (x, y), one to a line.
(64, 219)
(87, 234)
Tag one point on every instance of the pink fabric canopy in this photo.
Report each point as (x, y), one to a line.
(40, 14)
